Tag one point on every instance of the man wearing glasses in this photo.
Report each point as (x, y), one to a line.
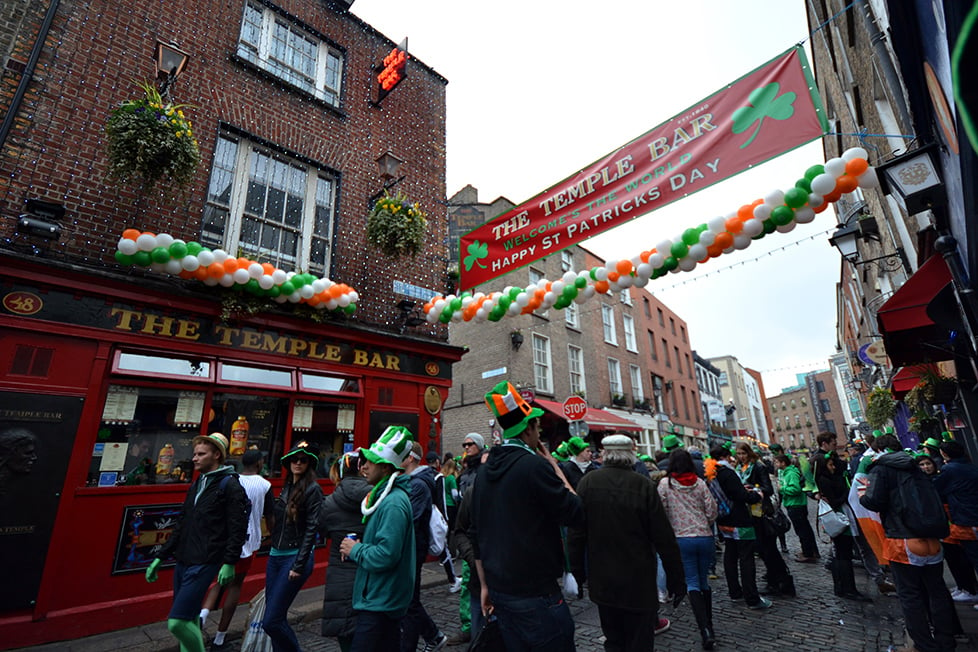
(472, 448)
(519, 500)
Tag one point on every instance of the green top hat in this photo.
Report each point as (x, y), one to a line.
(393, 447)
(671, 443)
(512, 412)
(576, 445)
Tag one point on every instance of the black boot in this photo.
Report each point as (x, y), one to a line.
(697, 602)
(838, 587)
(708, 601)
(788, 587)
(848, 582)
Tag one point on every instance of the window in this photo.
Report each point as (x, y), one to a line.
(689, 367)
(575, 367)
(614, 377)
(682, 390)
(662, 321)
(648, 307)
(826, 406)
(626, 297)
(542, 374)
(665, 352)
(628, 325)
(638, 392)
(682, 332)
(792, 404)
(608, 322)
(566, 260)
(572, 315)
(672, 325)
(679, 364)
(291, 52)
(797, 420)
(652, 346)
(269, 207)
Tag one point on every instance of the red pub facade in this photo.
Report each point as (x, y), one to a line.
(108, 370)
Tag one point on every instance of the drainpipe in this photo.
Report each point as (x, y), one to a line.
(878, 41)
(28, 74)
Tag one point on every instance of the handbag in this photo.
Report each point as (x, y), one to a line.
(568, 586)
(834, 523)
(489, 638)
(255, 639)
(777, 523)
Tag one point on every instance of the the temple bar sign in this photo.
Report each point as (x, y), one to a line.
(765, 113)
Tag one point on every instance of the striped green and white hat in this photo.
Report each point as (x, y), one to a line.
(393, 447)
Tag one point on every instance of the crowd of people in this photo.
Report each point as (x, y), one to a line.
(530, 530)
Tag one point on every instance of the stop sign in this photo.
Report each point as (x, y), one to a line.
(575, 408)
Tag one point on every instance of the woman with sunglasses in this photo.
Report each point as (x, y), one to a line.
(290, 561)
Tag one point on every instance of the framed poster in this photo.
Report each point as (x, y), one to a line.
(145, 528)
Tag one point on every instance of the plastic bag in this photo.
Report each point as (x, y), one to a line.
(834, 523)
(255, 638)
(569, 586)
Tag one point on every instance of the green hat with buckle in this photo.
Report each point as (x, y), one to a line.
(392, 448)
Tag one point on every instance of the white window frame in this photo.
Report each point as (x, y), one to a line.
(323, 83)
(626, 297)
(542, 364)
(566, 260)
(575, 370)
(319, 193)
(614, 377)
(638, 392)
(572, 315)
(628, 326)
(608, 325)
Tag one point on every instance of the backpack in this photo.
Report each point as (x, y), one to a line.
(437, 531)
(724, 504)
(920, 508)
(223, 486)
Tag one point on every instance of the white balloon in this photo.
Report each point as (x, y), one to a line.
(354, 296)
(220, 255)
(823, 184)
(128, 247)
(656, 260)
(211, 281)
(717, 224)
(164, 240)
(804, 215)
(514, 309)
(206, 257)
(522, 300)
(306, 292)
(266, 282)
(241, 276)
(332, 305)
(172, 266)
(557, 287)
(644, 270)
(456, 316)
(226, 281)
(318, 285)
(752, 227)
(641, 281)
(815, 200)
(636, 261)
(625, 281)
(549, 298)
(868, 179)
(687, 264)
(281, 299)
(343, 300)
(707, 238)
(467, 301)
(786, 228)
(146, 242)
(774, 198)
(835, 167)
(611, 265)
(295, 297)
(589, 291)
(279, 277)
(741, 241)
(569, 277)
(189, 263)
(600, 274)
(480, 314)
(255, 270)
(763, 211)
(696, 253)
(664, 247)
(854, 153)
(580, 299)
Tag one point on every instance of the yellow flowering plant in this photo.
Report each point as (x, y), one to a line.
(396, 226)
(150, 140)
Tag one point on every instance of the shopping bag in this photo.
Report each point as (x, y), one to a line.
(255, 638)
(834, 523)
(489, 638)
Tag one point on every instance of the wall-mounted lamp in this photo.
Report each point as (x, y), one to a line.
(388, 167)
(409, 316)
(41, 219)
(846, 239)
(516, 338)
(916, 177)
(170, 63)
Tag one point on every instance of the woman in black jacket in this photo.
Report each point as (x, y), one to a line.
(293, 535)
(340, 515)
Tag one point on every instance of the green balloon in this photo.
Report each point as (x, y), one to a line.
(160, 255)
(287, 288)
(350, 308)
(560, 304)
(123, 259)
(570, 291)
(580, 282)
(814, 171)
(769, 226)
(515, 292)
(274, 291)
(795, 198)
(593, 274)
(690, 237)
(679, 249)
(494, 315)
(178, 249)
(504, 302)
(142, 258)
(670, 263)
(781, 215)
(253, 287)
(456, 304)
(194, 248)
(804, 184)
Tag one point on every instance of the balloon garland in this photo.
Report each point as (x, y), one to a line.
(778, 211)
(191, 260)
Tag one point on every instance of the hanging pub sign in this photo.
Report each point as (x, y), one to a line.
(765, 113)
(392, 71)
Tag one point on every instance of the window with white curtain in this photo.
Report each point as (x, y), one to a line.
(614, 377)
(542, 368)
(628, 325)
(638, 392)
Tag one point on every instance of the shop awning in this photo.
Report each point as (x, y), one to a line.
(596, 419)
(904, 321)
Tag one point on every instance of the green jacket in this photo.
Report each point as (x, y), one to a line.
(385, 558)
(791, 494)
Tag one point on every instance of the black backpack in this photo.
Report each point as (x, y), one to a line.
(920, 508)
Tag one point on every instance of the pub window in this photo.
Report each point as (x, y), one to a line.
(329, 426)
(251, 421)
(318, 383)
(160, 366)
(240, 374)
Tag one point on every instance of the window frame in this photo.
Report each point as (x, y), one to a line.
(575, 358)
(628, 328)
(545, 365)
(614, 377)
(608, 325)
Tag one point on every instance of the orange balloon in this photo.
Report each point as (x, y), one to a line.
(601, 286)
(314, 300)
(215, 270)
(187, 275)
(833, 196)
(745, 212)
(231, 265)
(613, 276)
(713, 250)
(857, 166)
(821, 208)
(130, 234)
(705, 258)
(644, 256)
(201, 273)
(624, 267)
(846, 183)
(335, 291)
(734, 225)
(268, 268)
(755, 204)
(723, 240)
(243, 263)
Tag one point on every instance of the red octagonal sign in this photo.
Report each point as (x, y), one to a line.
(575, 408)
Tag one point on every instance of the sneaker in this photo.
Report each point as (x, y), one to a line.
(964, 596)
(460, 639)
(456, 585)
(663, 597)
(662, 626)
(435, 644)
(763, 604)
(215, 647)
(802, 559)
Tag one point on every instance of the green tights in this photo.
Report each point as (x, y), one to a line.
(187, 633)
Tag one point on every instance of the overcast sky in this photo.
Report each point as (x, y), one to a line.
(539, 89)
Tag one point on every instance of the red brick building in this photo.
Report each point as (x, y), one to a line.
(112, 367)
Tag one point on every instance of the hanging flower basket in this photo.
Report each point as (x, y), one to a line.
(396, 226)
(150, 141)
(880, 408)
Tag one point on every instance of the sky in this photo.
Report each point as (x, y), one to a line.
(538, 89)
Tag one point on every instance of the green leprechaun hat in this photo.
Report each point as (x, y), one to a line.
(512, 412)
(671, 443)
(393, 447)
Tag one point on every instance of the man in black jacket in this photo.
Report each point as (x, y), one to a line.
(520, 499)
(206, 540)
(739, 537)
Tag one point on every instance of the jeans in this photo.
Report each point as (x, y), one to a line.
(739, 554)
(539, 623)
(926, 602)
(697, 553)
(803, 529)
(376, 632)
(280, 591)
(628, 631)
(416, 622)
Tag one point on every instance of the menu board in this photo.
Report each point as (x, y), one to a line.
(190, 408)
(345, 418)
(302, 416)
(120, 404)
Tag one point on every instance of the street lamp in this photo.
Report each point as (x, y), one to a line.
(916, 177)
(170, 63)
(846, 240)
